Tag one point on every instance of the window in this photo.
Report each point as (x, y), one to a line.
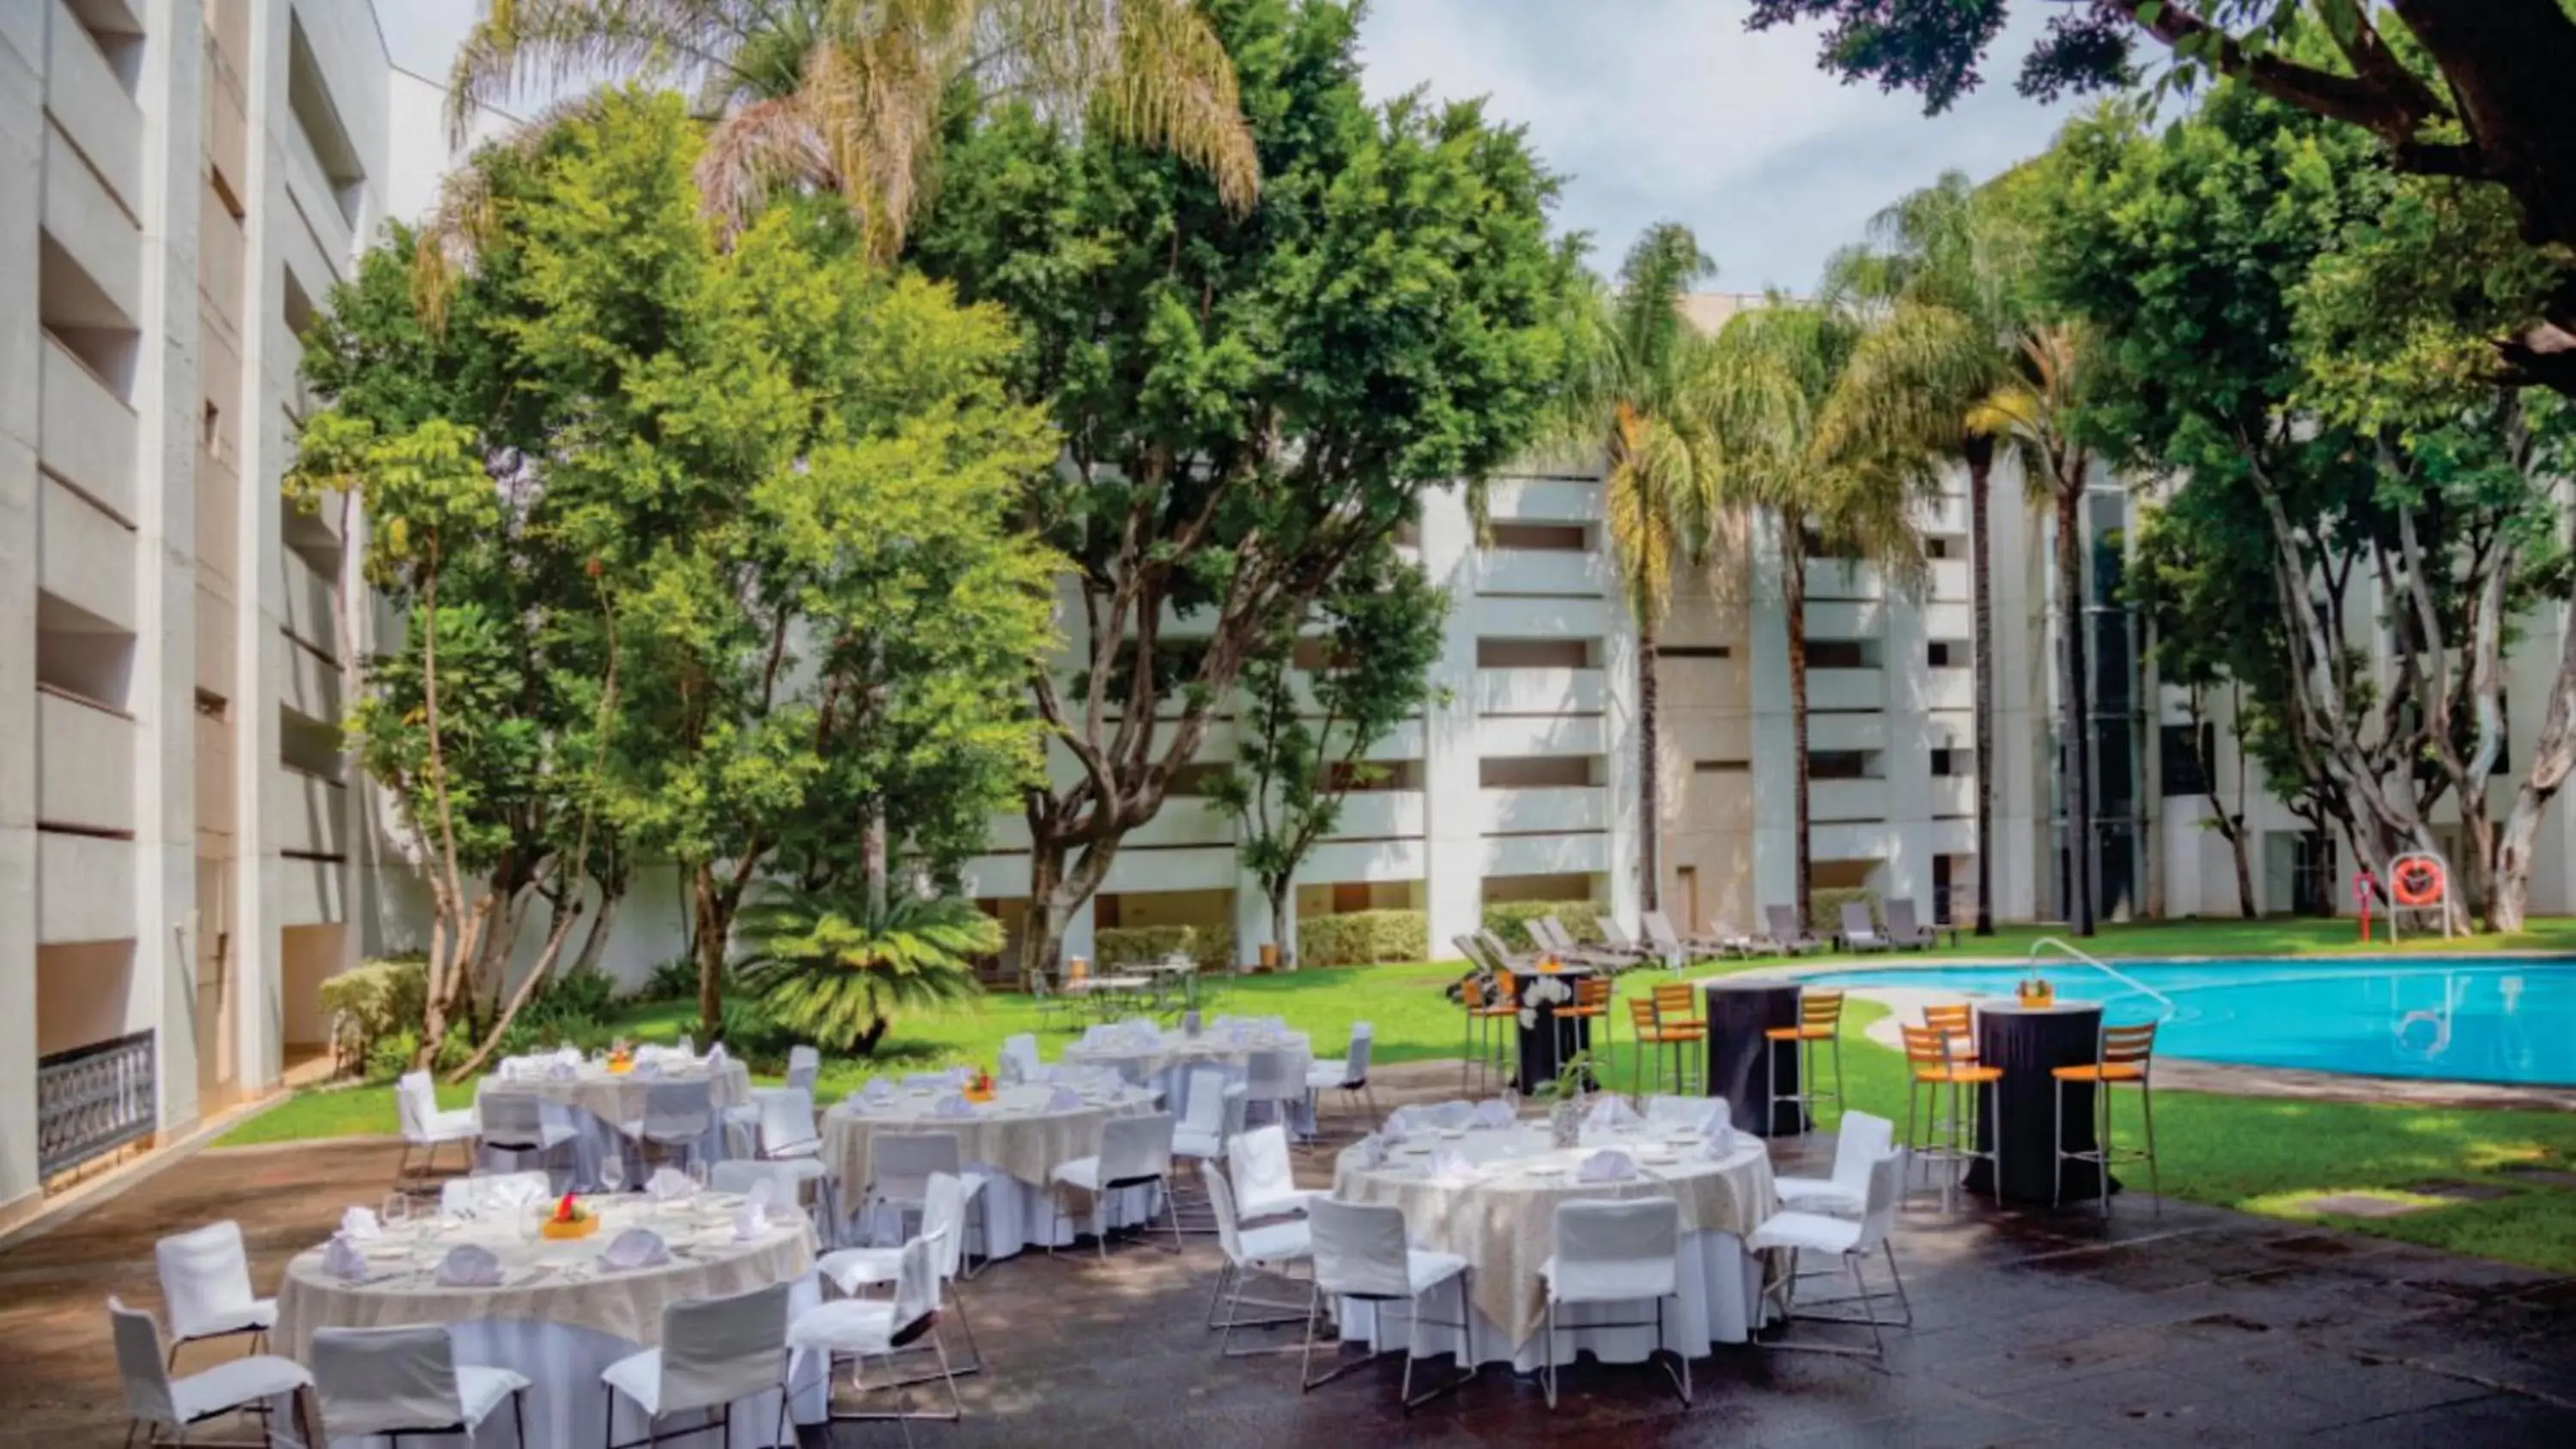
(1533, 772)
(1836, 654)
(1533, 654)
(1944, 762)
(1541, 537)
(2181, 764)
(1941, 653)
(1837, 764)
(1936, 548)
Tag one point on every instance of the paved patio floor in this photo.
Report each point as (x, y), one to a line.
(2195, 1326)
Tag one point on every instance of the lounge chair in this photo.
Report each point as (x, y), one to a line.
(1860, 933)
(1550, 932)
(1788, 936)
(1725, 941)
(1498, 956)
(1616, 940)
(1902, 928)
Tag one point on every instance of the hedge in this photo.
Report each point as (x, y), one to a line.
(1210, 946)
(1509, 921)
(1363, 938)
(371, 1001)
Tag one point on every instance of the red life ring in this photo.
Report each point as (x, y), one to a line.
(2416, 882)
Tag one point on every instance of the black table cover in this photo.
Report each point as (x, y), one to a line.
(1738, 1012)
(2027, 1043)
(1548, 1042)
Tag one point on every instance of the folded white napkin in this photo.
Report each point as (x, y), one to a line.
(1452, 1169)
(359, 1224)
(513, 1192)
(1492, 1114)
(716, 1056)
(469, 1265)
(687, 1047)
(635, 1248)
(562, 1071)
(1722, 1142)
(753, 1220)
(647, 1052)
(954, 1104)
(1063, 1099)
(1608, 1165)
(670, 1184)
(1610, 1114)
(1397, 1131)
(1369, 1151)
(1451, 1116)
(341, 1258)
(648, 1071)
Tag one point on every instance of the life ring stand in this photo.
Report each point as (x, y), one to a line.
(2416, 881)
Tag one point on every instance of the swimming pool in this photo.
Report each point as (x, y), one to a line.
(2483, 1021)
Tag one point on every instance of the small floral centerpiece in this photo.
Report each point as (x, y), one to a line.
(2034, 990)
(979, 1087)
(570, 1220)
(1549, 965)
(621, 1058)
(1565, 1116)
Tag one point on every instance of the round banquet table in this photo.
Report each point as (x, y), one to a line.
(1503, 1223)
(1015, 1141)
(608, 1107)
(1165, 1063)
(2027, 1042)
(1547, 1041)
(1738, 1011)
(559, 1315)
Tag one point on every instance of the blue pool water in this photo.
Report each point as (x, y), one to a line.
(2486, 1021)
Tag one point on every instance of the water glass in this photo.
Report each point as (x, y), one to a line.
(397, 1208)
(612, 1171)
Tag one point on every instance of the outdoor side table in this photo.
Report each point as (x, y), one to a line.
(1739, 1011)
(2028, 1042)
(1546, 1042)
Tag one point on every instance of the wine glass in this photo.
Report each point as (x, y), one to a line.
(612, 1172)
(698, 1175)
(397, 1208)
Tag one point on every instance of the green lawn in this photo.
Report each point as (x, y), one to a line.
(2258, 1154)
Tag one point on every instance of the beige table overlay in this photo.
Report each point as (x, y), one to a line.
(1015, 1132)
(545, 1280)
(1504, 1222)
(618, 1098)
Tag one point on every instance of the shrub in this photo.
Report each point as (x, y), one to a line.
(672, 980)
(1363, 938)
(1212, 947)
(389, 1056)
(370, 1002)
(1825, 917)
(586, 994)
(1509, 921)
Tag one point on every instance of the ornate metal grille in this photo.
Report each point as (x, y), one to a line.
(92, 1100)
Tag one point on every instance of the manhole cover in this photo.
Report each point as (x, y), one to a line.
(2361, 1205)
(2454, 1190)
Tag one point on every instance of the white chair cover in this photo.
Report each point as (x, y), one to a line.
(514, 1122)
(717, 1350)
(1615, 1252)
(1135, 1149)
(205, 1281)
(1360, 1250)
(378, 1380)
(1263, 1175)
(804, 1065)
(678, 1114)
(141, 1367)
(1019, 1061)
(787, 1124)
(904, 1162)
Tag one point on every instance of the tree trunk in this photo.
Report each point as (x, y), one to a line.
(2075, 759)
(1278, 892)
(2552, 756)
(1981, 462)
(872, 849)
(558, 931)
(1793, 600)
(2236, 846)
(1650, 822)
(1057, 888)
(715, 927)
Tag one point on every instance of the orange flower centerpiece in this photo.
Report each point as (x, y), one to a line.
(2034, 990)
(621, 1060)
(570, 1220)
(979, 1088)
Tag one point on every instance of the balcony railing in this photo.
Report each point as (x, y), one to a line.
(93, 1100)
(88, 433)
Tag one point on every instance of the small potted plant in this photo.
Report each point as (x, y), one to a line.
(1565, 1098)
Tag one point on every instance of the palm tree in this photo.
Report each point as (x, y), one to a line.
(850, 95)
(1939, 273)
(1638, 391)
(1778, 370)
(834, 965)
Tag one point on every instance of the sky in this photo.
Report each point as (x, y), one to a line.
(1651, 110)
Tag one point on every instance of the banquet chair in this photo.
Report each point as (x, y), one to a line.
(1272, 1077)
(1668, 1110)
(677, 1118)
(1265, 1185)
(738, 1175)
(1853, 1241)
(1862, 1140)
(154, 1401)
(1616, 1252)
(425, 1128)
(205, 1283)
(2124, 1055)
(1019, 1059)
(475, 1195)
(1134, 1152)
(1210, 1113)
(1820, 1019)
(1273, 1249)
(804, 1068)
(900, 1166)
(715, 1353)
(396, 1382)
(518, 1123)
(1948, 1139)
(789, 1138)
(1361, 1251)
(859, 1329)
(1348, 1075)
(943, 1224)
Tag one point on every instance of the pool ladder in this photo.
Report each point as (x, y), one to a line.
(2098, 964)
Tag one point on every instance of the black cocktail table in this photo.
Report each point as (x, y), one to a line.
(1547, 1041)
(2028, 1042)
(1739, 1011)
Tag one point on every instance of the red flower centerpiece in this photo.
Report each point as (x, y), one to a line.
(570, 1220)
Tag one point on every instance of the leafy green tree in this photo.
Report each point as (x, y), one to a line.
(2208, 629)
(835, 964)
(1777, 369)
(1639, 394)
(2467, 89)
(1248, 403)
(851, 95)
(1303, 734)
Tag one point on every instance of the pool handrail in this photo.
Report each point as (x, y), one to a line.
(2098, 964)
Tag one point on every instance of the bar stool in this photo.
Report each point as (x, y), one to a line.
(1930, 1066)
(1591, 1002)
(1958, 1027)
(1677, 1013)
(1486, 1008)
(1820, 1019)
(1651, 1037)
(2126, 1054)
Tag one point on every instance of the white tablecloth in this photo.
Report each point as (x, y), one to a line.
(1014, 1140)
(1503, 1223)
(558, 1316)
(606, 1109)
(1166, 1064)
